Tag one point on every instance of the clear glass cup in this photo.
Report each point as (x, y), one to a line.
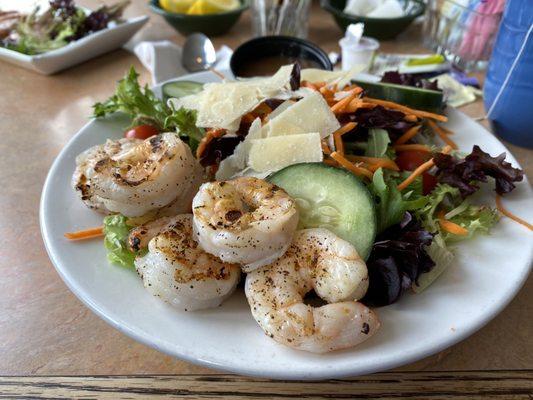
(462, 34)
(280, 17)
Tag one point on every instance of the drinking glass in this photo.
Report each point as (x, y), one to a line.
(463, 34)
(280, 17)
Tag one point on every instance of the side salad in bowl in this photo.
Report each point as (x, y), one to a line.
(302, 182)
(55, 27)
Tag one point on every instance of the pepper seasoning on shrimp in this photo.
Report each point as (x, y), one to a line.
(177, 270)
(246, 220)
(319, 260)
(135, 177)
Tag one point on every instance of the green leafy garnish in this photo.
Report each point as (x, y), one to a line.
(443, 196)
(441, 256)
(116, 231)
(378, 143)
(475, 219)
(471, 217)
(391, 204)
(184, 121)
(61, 23)
(143, 107)
(140, 104)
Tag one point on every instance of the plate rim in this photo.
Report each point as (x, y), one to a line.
(137, 335)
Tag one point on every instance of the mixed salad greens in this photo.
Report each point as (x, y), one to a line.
(57, 26)
(145, 108)
(422, 195)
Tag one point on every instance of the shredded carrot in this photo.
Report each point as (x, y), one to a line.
(353, 105)
(326, 92)
(341, 104)
(325, 147)
(319, 84)
(331, 162)
(209, 136)
(339, 145)
(448, 131)
(411, 118)
(374, 162)
(308, 85)
(337, 136)
(442, 134)
(408, 135)
(450, 226)
(509, 214)
(356, 104)
(355, 88)
(407, 147)
(357, 170)
(420, 170)
(406, 110)
(85, 234)
(416, 173)
(381, 164)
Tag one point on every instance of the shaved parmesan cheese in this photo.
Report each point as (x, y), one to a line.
(225, 103)
(234, 164)
(280, 81)
(191, 102)
(275, 153)
(282, 107)
(341, 78)
(311, 114)
(222, 104)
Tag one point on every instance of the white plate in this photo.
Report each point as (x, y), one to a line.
(77, 51)
(488, 272)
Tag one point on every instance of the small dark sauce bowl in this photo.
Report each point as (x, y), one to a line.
(248, 56)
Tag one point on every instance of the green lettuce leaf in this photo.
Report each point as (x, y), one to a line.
(391, 204)
(442, 196)
(476, 219)
(116, 231)
(378, 143)
(184, 121)
(142, 105)
(441, 256)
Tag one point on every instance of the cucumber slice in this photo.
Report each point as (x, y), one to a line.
(331, 198)
(181, 89)
(420, 99)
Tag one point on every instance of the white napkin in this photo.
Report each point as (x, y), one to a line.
(163, 59)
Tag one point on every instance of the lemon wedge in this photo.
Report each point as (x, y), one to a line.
(176, 6)
(202, 7)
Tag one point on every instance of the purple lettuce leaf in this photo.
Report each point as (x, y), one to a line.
(398, 258)
(465, 174)
(413, 80)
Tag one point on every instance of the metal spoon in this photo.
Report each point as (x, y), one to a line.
(199, 54)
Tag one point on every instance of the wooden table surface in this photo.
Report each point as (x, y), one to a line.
(45, 330)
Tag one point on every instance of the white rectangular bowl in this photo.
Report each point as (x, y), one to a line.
(77, 51)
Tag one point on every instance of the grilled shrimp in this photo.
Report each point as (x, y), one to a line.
(246, 221)
(134, 177)
(319, 260)
(177, 270)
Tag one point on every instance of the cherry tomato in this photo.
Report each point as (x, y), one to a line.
(410, 160)
(141, 132)
(428, 182)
